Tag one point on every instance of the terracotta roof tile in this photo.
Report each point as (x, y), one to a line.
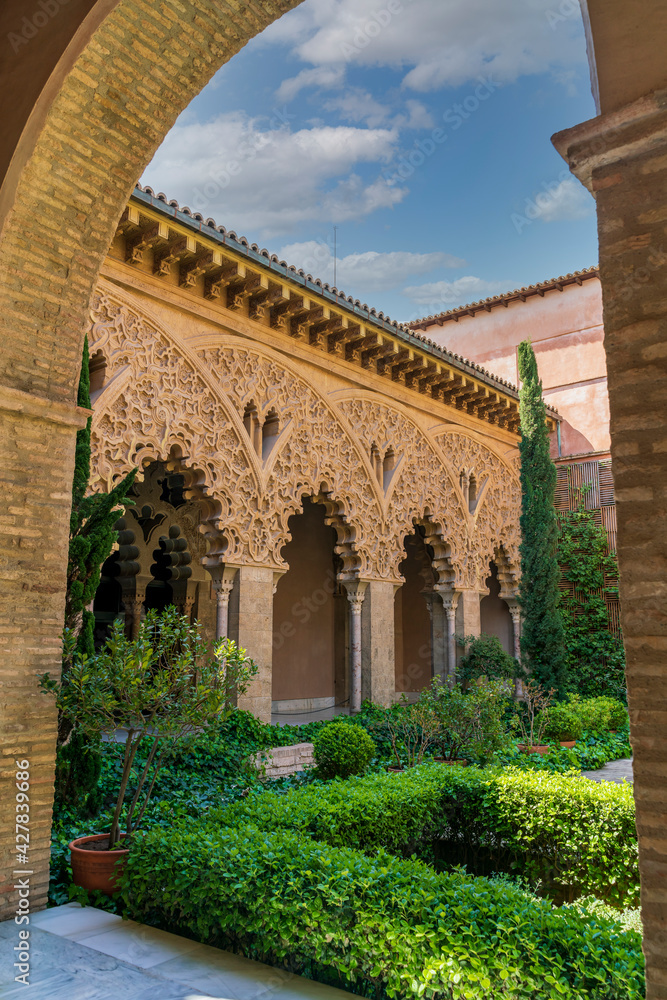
(575, 278)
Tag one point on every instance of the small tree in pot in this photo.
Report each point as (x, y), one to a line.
(163, 686)
(531, 723)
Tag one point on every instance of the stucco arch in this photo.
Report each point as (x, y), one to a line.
(81, 130)
(318, 457)
(164, 399)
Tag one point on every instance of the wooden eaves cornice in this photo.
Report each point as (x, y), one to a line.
(212, 264)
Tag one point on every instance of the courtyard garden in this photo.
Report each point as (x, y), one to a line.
(445, 847)
(429, 851)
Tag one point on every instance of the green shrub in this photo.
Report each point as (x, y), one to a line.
(341, 750)
(600, 714)
(485, 657)
(469, 724)
(381, 926)
(563, 723)
(574, 834)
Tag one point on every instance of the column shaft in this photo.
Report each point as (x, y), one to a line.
(378, 672)
(356, 602)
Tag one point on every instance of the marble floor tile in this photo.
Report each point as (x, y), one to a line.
(82, 953)
(137, 944)
(224, 974)
(61, 969)
(74, 921)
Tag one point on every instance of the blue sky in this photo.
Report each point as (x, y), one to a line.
(420, 128)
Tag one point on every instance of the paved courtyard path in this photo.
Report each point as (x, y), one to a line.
(616, 770)
(82, 953)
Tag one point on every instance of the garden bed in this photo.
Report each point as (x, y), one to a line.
(380, 926)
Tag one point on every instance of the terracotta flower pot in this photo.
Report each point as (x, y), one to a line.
(542, 750)
(568, 744)
(451, 763)
(94, 867)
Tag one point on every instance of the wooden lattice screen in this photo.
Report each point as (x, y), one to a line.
(596, 479)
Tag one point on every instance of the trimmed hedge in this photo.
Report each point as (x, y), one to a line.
(573, 833)
(381, 926)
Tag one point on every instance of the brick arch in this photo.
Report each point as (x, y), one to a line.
(100, 131)
(95, 126)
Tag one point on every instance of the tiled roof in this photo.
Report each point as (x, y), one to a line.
(239, 243)
(521, 294)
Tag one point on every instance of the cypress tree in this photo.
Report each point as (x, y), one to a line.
(543, 637)
(92, 531)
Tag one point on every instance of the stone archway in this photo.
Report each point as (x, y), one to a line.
(81, 94)
(93, 129)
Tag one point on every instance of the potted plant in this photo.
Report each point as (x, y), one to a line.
(563, 725)
(470, 723)
(412, 730)
(532, 722)
(163, 687)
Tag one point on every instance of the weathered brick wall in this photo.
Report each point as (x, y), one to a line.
(139, 71)
(37, 467)
(623, 159)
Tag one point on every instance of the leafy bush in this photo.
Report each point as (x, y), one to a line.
(411, 730)
(599, 714)
(470, 723)
(575, 834)
(595, 656)
(630, 918)
(530, 721)
(341, 750)
(381, 926)
(485, 657)
(563, 723)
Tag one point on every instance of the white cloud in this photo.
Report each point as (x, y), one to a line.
(437, 296)
(437, 43)
(320, 76)
(567, 200)
(270, 181)
(360, 273)
(357, 105)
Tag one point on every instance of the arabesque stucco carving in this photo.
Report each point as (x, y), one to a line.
(163, 401)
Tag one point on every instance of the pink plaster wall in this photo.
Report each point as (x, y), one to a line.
(565, 328)
(413, 661)
(303, 612)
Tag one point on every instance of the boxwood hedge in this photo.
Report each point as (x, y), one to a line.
(381, 926)
(577, 835)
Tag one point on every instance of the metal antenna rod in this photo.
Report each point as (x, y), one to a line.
(335, 229)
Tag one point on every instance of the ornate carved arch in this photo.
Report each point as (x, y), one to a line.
(420, 490)
(315, 457)
(495, 528)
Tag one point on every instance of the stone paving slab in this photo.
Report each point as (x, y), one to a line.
(617, 771)
(82, 953)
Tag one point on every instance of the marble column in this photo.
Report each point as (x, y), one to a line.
(355, 595)
(449, 599)
(222, 588)
(515, 612)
